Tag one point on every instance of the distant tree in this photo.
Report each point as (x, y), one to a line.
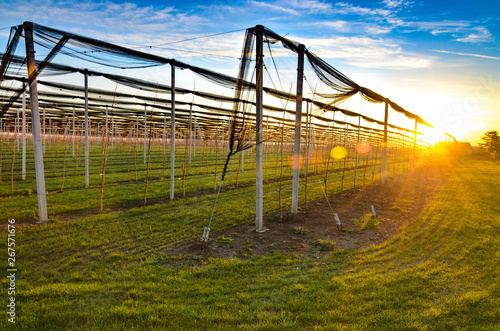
(491, 143)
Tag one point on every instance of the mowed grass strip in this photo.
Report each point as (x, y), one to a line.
(125, 178)
(108, 273)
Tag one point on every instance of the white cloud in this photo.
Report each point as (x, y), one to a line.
(103, 15)
(392, 3)
(395, 4)
(367, 52)
(377, 29)
(275, 7)
(295, 7)
(468, 54)
(462, 31)
(437, 28)
(348, 9)
(310, 5)
(339, 25)
(479, 36)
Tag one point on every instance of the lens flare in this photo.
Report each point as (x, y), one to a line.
(363, 148)
(338, 152)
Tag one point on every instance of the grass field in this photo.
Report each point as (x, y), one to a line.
(109, 272)
(126, 173)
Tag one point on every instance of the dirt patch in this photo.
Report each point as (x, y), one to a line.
(396, 203)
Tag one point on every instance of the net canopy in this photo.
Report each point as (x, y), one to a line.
(211, 110)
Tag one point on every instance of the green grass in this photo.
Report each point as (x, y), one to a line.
(301, 230)
(325, 245)
(367, 221)
(399, 210)
(122, 188)
(109, 271)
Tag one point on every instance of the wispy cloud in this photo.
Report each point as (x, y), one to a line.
(310, 5)
(467, 54)
(459, 30)
(377, 29)
(345, 8)
(104, 15)
(393, 4)
(368, 52)
(274, 7)
(294, 7)
(479, 36)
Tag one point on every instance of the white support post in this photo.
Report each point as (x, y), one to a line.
(172, 133)
(86, 86)
(35, 122)
(44, 130)
(384, 160)
(259, 166)
(23, 129)
(298, 123)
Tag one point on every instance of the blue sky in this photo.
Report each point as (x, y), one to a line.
(439, 59)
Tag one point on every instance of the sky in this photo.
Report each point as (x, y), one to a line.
(438, 59)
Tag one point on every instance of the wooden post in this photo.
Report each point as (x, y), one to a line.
(106, 130)
(74, 131)
(384, 160)
(44, 130)
(306, 151)
(267, 134)
(137, 133)
(190, 121)
(172, 134)
(357, 153)
(259, 167)
(228, 135)
(164, 134)
(196, 131)
(35, 122)
(86, 86)
(145, 133)
(17, 130)
(298, 123)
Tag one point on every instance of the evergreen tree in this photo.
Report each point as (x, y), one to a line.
(491, 142)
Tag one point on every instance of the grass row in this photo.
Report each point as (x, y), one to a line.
(126, 174)
(109, 272)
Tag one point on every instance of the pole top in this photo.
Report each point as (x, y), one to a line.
(259, 29)
(28, 25)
